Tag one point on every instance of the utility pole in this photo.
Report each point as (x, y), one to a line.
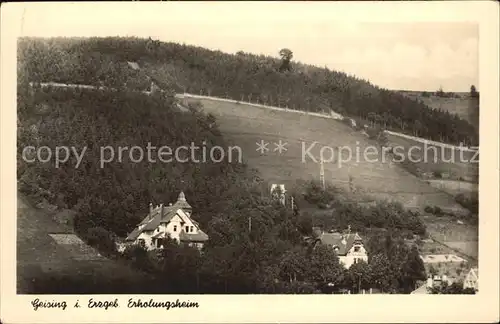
(322, 174)
(351, 184)
(250, 224)
(292, 202)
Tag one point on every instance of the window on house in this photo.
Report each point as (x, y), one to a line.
(355, 260)
(142, 242)
(175, 228)
(187, 229)
(192, 228)
(356, 249)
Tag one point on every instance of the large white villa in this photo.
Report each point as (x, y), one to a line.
(163, 221)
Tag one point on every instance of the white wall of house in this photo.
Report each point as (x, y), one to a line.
(173, 228)
(188, 226)
(471, 281)
(355, 254)
(147, 239)
(179, 222)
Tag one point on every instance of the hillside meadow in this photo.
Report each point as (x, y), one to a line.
(245, 126)
(461, 104)
(431, 161)
(271, 255)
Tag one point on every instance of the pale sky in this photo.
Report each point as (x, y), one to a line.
(390, 51)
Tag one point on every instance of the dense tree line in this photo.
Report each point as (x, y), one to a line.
(471, 202)
(382, 214)
(270, 266)
(395, 266)
(271, 257)
(115, 198)
(242, 76)
(455, 288)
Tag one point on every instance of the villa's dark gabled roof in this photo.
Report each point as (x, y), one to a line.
(161, 214)
(133, 235)
(152, 221)
(344, 242)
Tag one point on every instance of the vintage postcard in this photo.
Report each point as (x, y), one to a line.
(249, 162)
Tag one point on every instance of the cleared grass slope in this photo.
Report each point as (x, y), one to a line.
(245, 126)
(45, 266)
(452, 162)
(462, 105)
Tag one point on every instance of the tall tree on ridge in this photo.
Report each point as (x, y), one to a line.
(286, 58)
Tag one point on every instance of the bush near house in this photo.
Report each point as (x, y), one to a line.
(455, 288)
(101, 239)
(471, 202)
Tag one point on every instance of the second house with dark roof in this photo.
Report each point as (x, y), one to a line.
(172, 221)
(348, 247)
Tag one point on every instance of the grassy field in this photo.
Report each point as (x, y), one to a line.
(456, 271)
(454, 187)
(459, 166)
(456, 237)
(463, 106)
(45, 267)
(245, 126)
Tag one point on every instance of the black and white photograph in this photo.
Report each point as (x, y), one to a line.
(213, 149)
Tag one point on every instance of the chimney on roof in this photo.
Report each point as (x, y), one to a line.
(150, 208)
(344, 240)
(170, 204)
(182, 197)
(161, 210)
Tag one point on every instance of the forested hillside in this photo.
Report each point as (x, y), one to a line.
(241, 76)
(270, 256)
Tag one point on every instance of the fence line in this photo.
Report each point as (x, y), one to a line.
(430, 142)
(332, 115)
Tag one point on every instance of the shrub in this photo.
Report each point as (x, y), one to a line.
(318, 196)
(435, 210)
(102, 240)
(469, 202)
(437, 174)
